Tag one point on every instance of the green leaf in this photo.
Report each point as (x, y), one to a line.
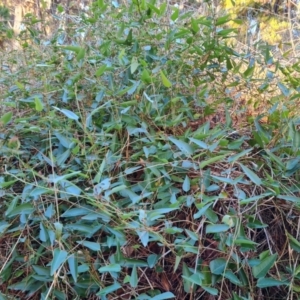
(91, 245)
(275, 158)
(165, 80)
(128, 40)
(163, 296)
(25, 208)
(212, 160)
(162, 9)
(59, 257)
(109, 289)
(63, 140)
(100, 71)
(182, 146)
(175, 14)
(186, 184)
(210, 290)
(289, 198)
(249, 72)
(58, 230)
(211, 215)
(252, 176)
(235, 157)
(146, 76)
(3, 226)
(73, 266)
(75, 212)
(265, 265)
(202, 211)
(186, 274)
(5, 118)
(41, 270)
(223, 20)
(232, 277)
(177, 262)
(152, 260)
(268, 282)
(194, 25)
(194, 236)
(218, 265)
(195, 278)
(207, 280)
(255, 198)
(228, 220)
(81, 54)
(102, 186)
(71, 48)
(133, 277)
(67, 113)
(226, 32)
(284, 90)
(144, 236)
(216, 228)
(201, 144)
(294, 243)
(13, 203)
(224, 179)
(53, 178)
(244, 242)
(134, 65)
(110, 268)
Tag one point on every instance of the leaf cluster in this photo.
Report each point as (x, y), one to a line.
(129, 172)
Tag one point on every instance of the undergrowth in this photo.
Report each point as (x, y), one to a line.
(133, 168)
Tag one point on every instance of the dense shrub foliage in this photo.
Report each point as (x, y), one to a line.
(143, 157)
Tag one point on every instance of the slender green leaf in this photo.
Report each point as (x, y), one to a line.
(195, 278)
(152, 260)
(232, 277)
(187, 284)
(201, 144)
(186, 184)
(218, 265)
(252, 176)
(290, 198)
(110, 268)
(211, 290)
(294, 243)
(59, 257)
(212, 160)
(73, 266)
(109, 289)
(285, 91)
(202, 211)
(81, 54)
(38, 104)
(235, 157)
(175, 14)
(265, 265)
(182, 146)
(133, 277)
(134, 65)
(268, 282)
(216, 228)
(5, 118)
(223, 20)
(68, 113)
(163, 296)
(100, 71)
(194, 236)
(165, 80)
(25, 208)
(91, 245)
